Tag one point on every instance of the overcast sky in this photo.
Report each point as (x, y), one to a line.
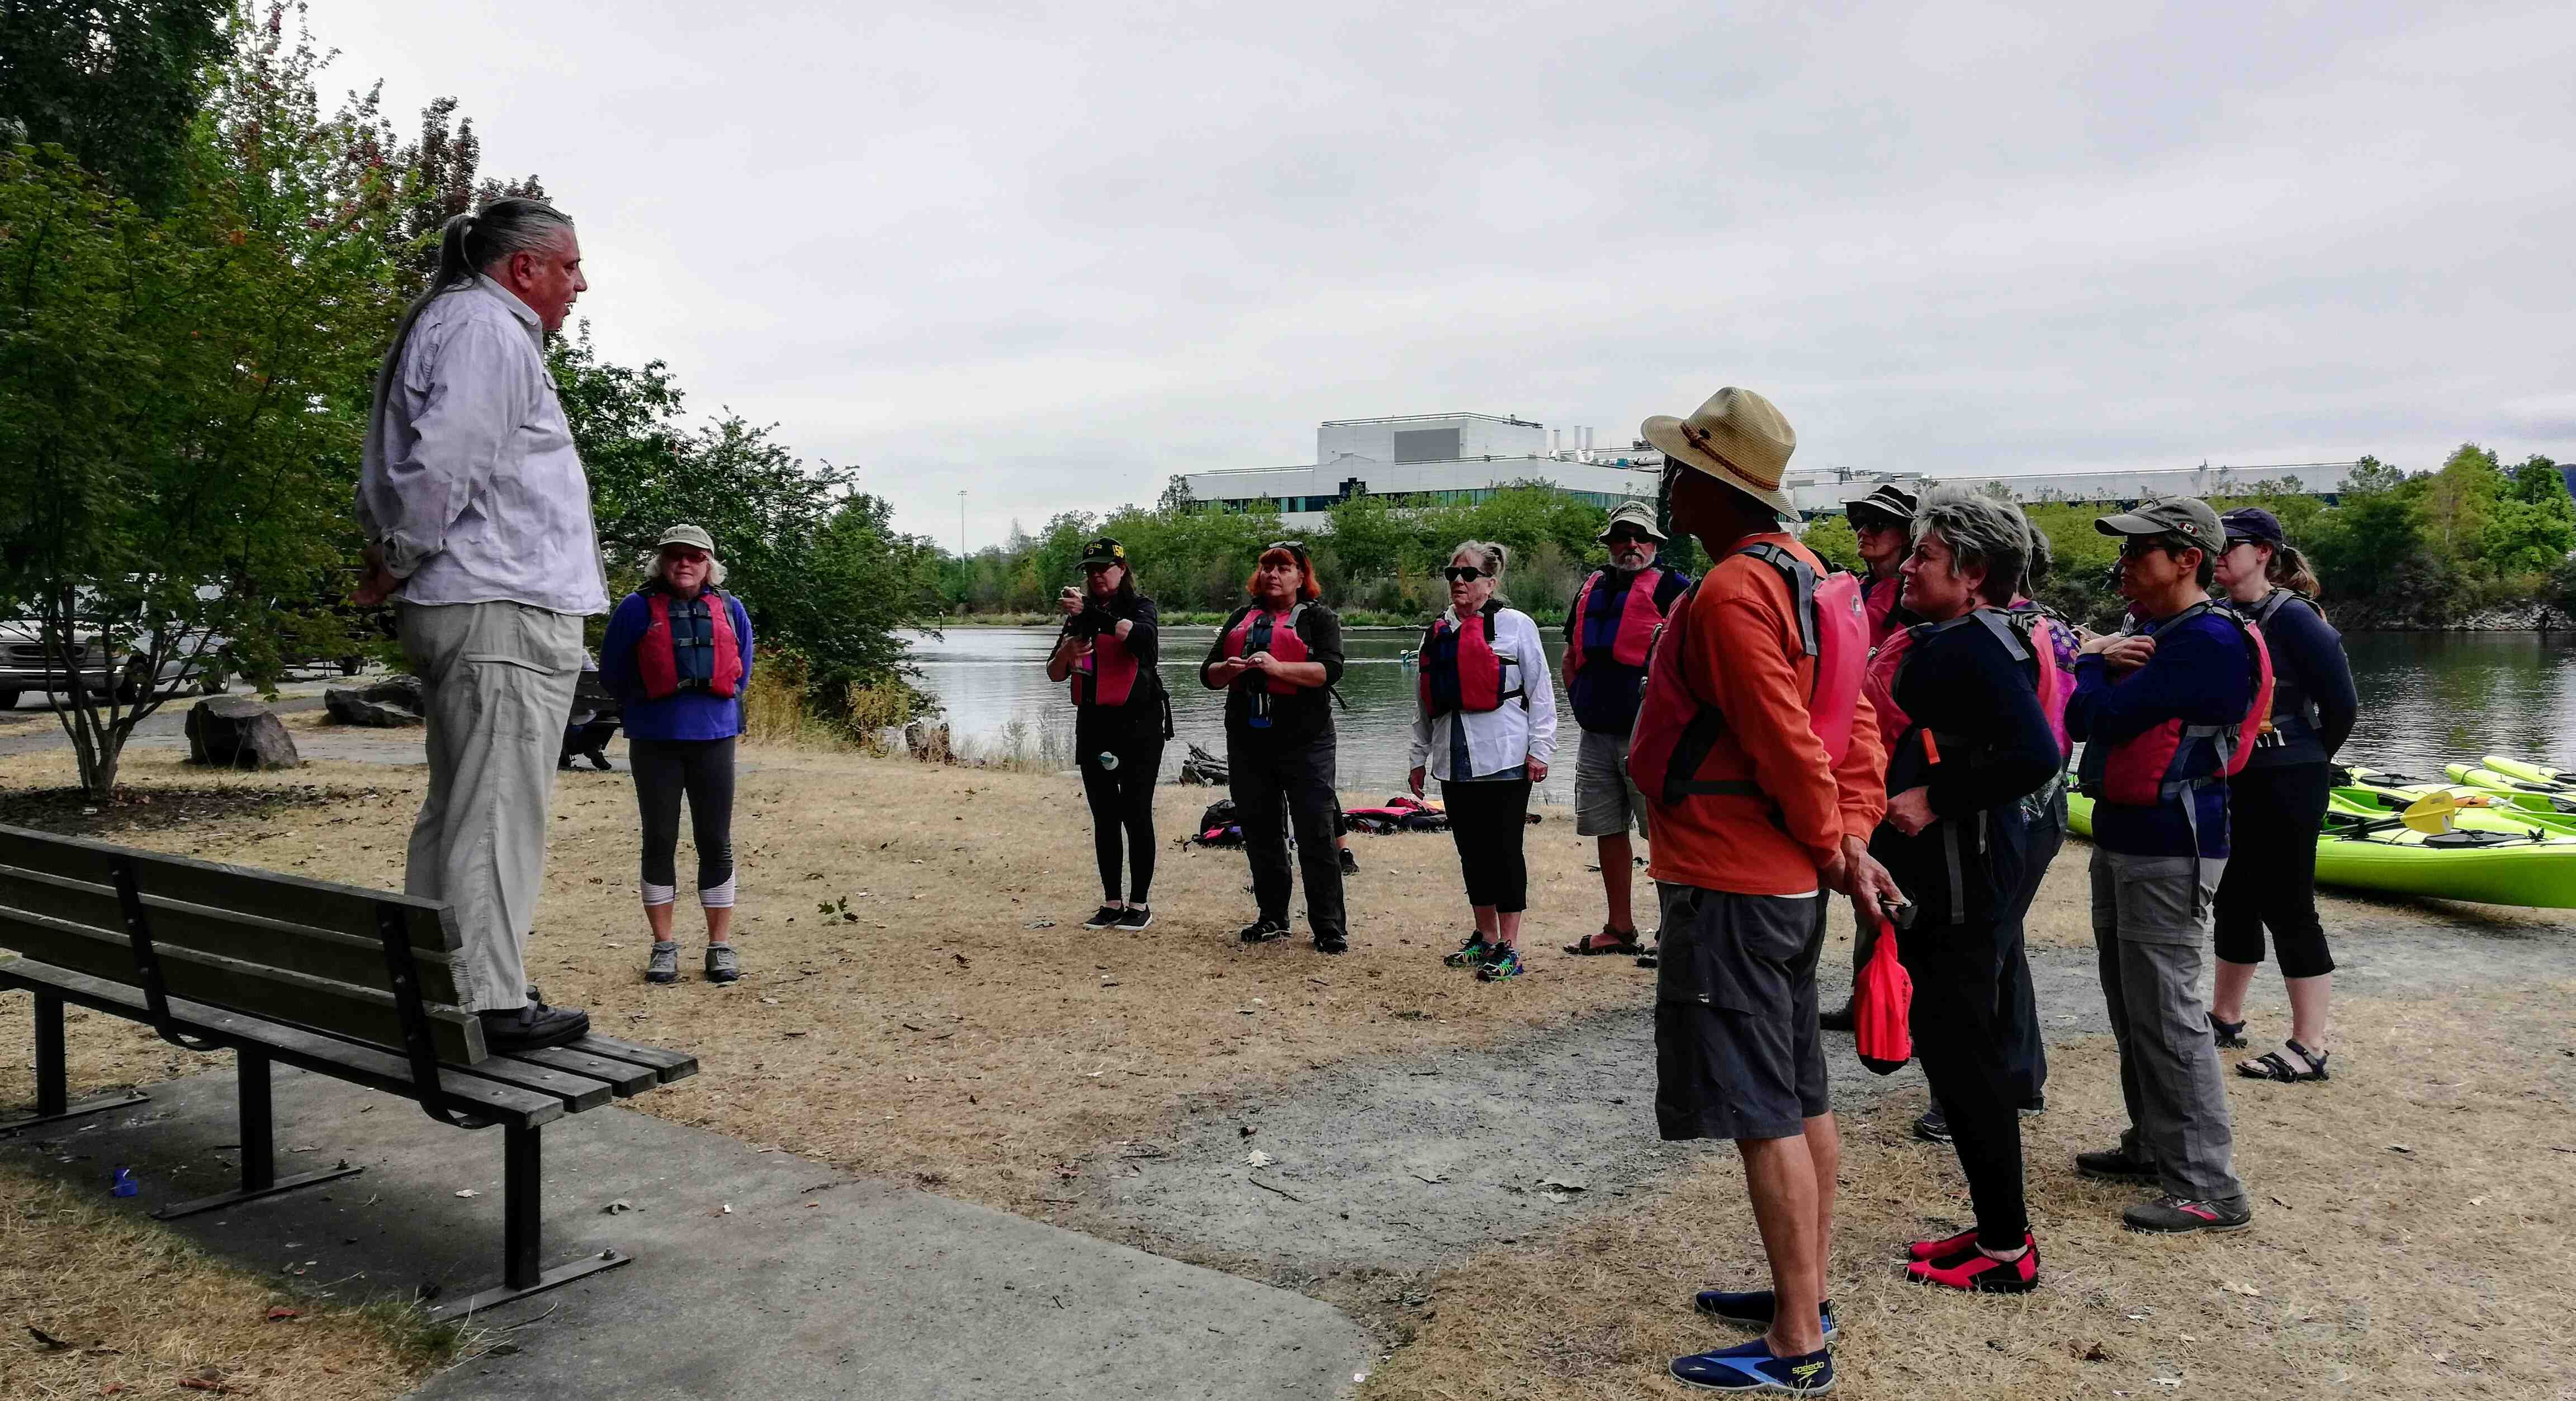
(1053, 254)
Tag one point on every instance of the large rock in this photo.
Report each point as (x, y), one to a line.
(389, 704)
(239, 733)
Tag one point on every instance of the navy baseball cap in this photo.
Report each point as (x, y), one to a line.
(2252, 523)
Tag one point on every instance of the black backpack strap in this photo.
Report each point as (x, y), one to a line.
(1802, 588)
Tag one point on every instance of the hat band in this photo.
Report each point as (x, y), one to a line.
(1704, 440)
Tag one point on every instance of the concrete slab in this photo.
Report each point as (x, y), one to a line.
(813, 1285)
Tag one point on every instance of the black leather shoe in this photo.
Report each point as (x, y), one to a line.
(1839, 1019)
(532, 1028)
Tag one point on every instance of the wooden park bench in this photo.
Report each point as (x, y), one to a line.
(355, 984)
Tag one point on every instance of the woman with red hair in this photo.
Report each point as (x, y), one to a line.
(1276, 659)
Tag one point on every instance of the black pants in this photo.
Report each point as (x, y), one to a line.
(1487, 819)
(2271, 875)
(2017, 1011)
(1122, 809)
(701, 769)
(1261, 775)
(1959, 1037)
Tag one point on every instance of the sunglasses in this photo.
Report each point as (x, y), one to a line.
(2140, 546)
(686, 556)
(1462, 573)
(1291, 546)
(1629, 537)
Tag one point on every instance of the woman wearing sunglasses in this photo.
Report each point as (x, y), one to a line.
(678, 655)
(1276, 659)
(1485, 726)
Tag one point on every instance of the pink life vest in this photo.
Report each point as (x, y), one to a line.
(1676, 730)
(657, 661)
(2055, 687)
(1879, 597)
(1458, 668)
(1105, 674)
(1635, 614)
(1260, 630)
(2151, 767)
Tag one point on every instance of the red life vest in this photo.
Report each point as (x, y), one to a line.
(1458, 668)
(657, 660)
(1260, 630)
(1878, 681)
(1879, 597)
(2055, 687)
(1105, 674)
(1675, 729)
(2162, 763)
(1631, 619)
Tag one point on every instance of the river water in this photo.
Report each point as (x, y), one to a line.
(2426, 698)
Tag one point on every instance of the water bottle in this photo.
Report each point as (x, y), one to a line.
(123, 1184)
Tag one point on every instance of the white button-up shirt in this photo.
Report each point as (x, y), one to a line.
(1495, 740)
(470, 481)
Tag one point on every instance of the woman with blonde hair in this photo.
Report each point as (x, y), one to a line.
(2274, 806)
(678, 655)
(1485, 726)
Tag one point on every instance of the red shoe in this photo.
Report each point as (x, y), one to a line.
(1938, 1249)
(1976, 1272)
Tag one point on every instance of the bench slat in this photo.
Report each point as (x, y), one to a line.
(249, 938)
(667, 1064)
(458, 1089)
(343, 1009)
(578, 1092)
(628, 1080)
(342, 909)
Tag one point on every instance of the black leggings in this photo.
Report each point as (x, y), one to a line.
(1122, 805)
(1487, 819)
(2271, 875)
(702, 769)
(1972, 1064)
(2018, 1009)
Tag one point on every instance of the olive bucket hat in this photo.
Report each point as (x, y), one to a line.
(686, 535)
(1637, 516)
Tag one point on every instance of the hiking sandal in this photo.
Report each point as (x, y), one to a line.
(2272, 1065)
(1623, 941)
(2229, 1035)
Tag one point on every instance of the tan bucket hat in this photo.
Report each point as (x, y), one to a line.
(1738, 437)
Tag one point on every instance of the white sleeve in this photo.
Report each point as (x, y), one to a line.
(1540, 687)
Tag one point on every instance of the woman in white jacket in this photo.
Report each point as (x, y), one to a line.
(1485, 726)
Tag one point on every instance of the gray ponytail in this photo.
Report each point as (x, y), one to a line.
(467, 244)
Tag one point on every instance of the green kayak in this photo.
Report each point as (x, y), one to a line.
(2366, 848)
(2387, 794)
(2529, 773)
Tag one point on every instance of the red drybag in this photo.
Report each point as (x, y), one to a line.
(1883, 1008)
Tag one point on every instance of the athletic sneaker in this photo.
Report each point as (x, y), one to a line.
(1350, 863)
(1752, 1367)
(1503, 962)
(665, 965)
(2117, 1165)
(1756, 1307)
(2176, 1216)
(1324, 945)
(1470, 954)
(1932, 1128)
(1135, 917)
(2038, 1105)
(722, 965)
(1264, 931)
(1106, 917)
(1973, 1271)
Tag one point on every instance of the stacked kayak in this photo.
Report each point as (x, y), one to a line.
(2497, 854)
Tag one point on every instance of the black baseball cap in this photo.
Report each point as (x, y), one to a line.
(1102, 553)
(2251, 523)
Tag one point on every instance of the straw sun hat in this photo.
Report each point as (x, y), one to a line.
(1738, 437)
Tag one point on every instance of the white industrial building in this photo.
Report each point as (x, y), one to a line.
(1461, 458)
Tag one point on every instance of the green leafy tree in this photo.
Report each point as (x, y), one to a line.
(189, 386)
(1832, 539)
(2376, 529)
(2531, 528)
(116, 83)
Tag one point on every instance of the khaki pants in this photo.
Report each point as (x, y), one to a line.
(497, 682)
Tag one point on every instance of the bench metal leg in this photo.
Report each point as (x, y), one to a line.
(258, 1149)
(53, 1098)
(522, 1231)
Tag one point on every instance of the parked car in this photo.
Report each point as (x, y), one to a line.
(197, 662)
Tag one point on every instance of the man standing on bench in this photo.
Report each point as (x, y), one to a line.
(477, 517)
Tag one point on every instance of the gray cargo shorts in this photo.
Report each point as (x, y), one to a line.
(1606, 800)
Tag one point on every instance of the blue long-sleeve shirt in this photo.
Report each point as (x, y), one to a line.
(688, 715)
(2201, 674)
(2308, 669)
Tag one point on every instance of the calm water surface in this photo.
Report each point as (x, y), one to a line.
(2426, 698)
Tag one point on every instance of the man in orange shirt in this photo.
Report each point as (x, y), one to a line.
(1763, 771)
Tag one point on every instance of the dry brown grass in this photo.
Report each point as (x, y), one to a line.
(2444, 1269)
(136, 1310)
(933, 1031)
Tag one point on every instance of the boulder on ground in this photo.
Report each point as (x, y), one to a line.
(237, 732)
(387, 705)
